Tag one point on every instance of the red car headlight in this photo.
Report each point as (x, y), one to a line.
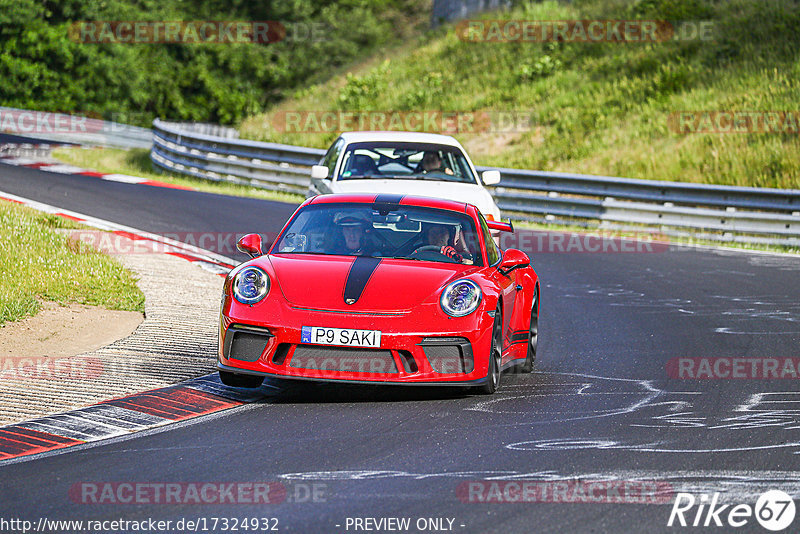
(460, 298)
(250, 285)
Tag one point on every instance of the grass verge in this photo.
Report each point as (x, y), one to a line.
(136, 162)
(38, 263)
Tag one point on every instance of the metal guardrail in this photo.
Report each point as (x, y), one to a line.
(268, 165)
(214, 130)
(521, 194)
(698, 206)
(60, 127)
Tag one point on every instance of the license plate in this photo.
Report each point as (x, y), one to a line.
(349, 337)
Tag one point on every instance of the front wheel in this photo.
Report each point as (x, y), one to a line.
(495, 358)
(240, 381)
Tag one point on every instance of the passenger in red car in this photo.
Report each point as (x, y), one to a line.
(354, 241)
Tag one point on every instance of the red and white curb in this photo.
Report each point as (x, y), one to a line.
(123, 416)
(141, 411)
(206, 259)
(61, 168)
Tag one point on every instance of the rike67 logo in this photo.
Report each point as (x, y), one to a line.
(774, 510)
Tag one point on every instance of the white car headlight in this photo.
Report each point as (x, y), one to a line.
(250, 285)
(460, 298)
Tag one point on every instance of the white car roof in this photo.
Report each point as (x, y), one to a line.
(406, 137)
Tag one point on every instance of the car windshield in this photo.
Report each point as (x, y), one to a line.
(381, 231)
(405, 161)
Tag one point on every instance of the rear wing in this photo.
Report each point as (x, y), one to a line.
(499, 225)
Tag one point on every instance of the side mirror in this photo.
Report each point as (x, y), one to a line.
(491, 177)
(513, 259)
(319, 172)
(250, 245)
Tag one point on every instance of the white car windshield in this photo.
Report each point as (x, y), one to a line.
(405, 161)
(402, 232)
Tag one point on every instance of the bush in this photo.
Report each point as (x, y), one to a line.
(43, 69)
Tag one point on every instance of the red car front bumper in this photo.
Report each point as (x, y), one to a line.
(420, 347)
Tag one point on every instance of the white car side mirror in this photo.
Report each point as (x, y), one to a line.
(320, 172)
(491, 177)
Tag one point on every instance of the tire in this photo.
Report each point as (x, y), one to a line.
(240, 381)
(495, 357)
(533, 334)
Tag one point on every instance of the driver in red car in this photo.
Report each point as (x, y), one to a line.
(439, 235)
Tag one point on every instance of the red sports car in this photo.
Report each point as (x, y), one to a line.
(380, 289)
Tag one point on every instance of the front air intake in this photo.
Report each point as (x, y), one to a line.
(449, 355)
(245, 344)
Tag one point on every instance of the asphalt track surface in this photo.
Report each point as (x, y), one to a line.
(599, 406)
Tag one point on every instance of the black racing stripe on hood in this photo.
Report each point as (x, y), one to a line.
(360, 272)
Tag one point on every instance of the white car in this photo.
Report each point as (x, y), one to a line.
(404, 163)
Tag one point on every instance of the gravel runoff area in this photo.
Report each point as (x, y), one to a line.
(176, 341)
